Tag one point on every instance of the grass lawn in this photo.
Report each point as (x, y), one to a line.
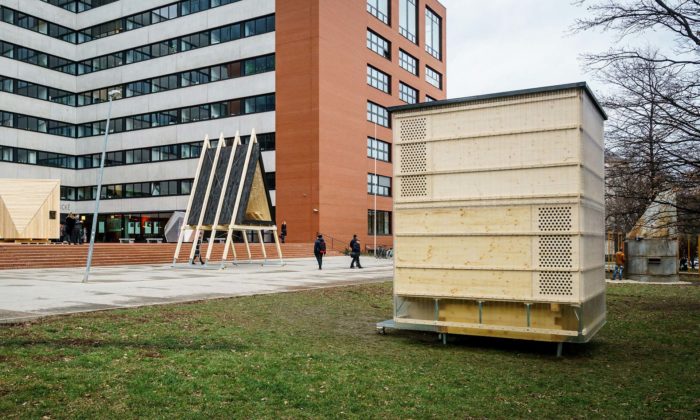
(316, 354)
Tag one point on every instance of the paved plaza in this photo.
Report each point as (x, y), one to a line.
(30, 294)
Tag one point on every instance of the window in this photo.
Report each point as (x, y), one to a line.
(194, 41)
(378, 79)
(164, 13)
(164, 83)
(408, 19)
(407, 93)
(378, 44)
(379, 184)
(377, 149)
(433, 34)
(194, 77)
(185, 187)
(137, 156)
(429, 99)
(383, 222)
(379, 9)
(269, 180)
(193, 6)
(408, 62)
(138, 88)
(433, 77)
(7, 153)
(377, 114)
(266, 141)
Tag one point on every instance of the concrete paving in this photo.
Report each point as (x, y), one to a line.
(31, 294)
(658, 283)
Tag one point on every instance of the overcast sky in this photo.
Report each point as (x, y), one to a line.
(501, 45)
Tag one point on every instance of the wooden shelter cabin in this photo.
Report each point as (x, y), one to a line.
(499, 215)
(30, 210)
(229, 195)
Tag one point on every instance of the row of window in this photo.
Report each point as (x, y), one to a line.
(408, 23)
(113, 27)
(78, 6)
(167, 152)
(230, 108)
(183, 43)
(381, 46)
(215, 73)
(130, 190)
(140, 189)
(23, 20)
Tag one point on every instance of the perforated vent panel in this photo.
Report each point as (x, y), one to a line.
(413, 129)
(556, 283)
(551, 219)
(413, 158)
(414, 186)
(556, 251)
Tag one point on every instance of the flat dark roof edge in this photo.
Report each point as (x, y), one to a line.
(543, 89)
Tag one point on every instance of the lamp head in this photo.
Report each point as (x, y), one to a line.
(115, 94)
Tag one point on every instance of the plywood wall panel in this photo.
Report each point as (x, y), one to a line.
(498, 209)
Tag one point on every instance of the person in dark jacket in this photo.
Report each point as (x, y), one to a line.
(197, 251)
(355, 252)
(283, 233)
(319, 250)
(70, 229)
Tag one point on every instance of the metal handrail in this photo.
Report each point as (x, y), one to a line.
(333, 243)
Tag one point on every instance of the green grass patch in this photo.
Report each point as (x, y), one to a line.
(316, 354)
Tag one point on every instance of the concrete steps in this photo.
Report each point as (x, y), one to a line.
(17, 256)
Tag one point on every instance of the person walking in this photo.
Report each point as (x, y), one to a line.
(79, 232)
(283, 230)
(319, 250)
(355, 252)
(197, 251)
(70, 229)
(619, 264)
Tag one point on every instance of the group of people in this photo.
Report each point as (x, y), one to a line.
(320, 251)
(72, 230)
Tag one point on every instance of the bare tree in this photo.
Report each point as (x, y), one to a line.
(653, 136)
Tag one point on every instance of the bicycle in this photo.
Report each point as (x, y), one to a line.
(383, 252)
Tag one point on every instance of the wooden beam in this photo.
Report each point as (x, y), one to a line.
(184, 225)
(222, 195)
(206, 199)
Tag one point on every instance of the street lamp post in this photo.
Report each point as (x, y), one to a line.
(112, 94)
(376, 186)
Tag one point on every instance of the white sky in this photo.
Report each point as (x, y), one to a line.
(500, 45)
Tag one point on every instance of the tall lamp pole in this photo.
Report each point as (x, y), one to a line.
(376, 187)
(112, 94)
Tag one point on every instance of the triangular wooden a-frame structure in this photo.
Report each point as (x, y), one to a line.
(229, 194)
(29, 209)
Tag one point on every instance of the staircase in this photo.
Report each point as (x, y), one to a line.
(16, 256)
